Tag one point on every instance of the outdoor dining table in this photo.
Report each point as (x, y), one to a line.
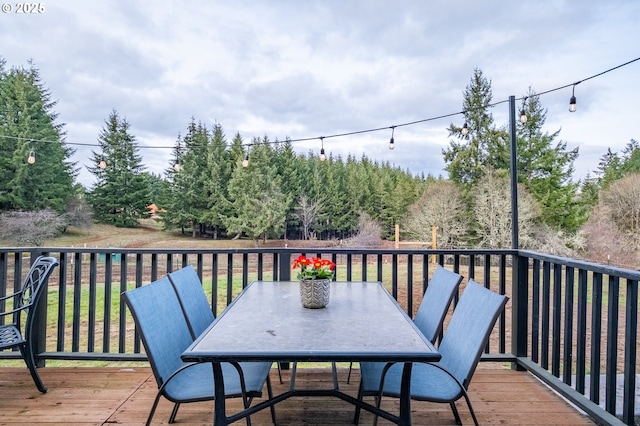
(267, 322)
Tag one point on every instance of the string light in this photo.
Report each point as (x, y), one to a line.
(245, 162)
(523, 117)
(322, 156)
(32, 157)
(391, 141)
(572, 101)
(523, 114)
(464, 130)
(102, 164)
(176, 165)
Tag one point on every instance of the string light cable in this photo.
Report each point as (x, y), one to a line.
(358, 132)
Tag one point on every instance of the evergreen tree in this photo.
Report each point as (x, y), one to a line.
(466, 159)
(121, 194)
(27, 125)
(287, 166)
(259, 205)
(174, 216)
(338, 208)
(611, 168)
(192, 180)
(219, 174)
(545, 168)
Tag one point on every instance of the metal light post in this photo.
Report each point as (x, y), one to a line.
(514, 173)
(519, 285)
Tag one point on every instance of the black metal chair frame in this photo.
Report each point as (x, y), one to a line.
(25, 301)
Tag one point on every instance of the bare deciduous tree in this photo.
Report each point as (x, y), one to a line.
(369, 233)
(441, 206)
(492, 210)
(307, 212)
(32, 228)
(79, 213)
(614, 226)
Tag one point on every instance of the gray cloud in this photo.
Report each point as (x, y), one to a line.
(295, 69)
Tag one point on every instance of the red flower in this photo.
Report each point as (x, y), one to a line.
(314, 268)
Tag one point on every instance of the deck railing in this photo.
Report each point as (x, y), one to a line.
(571, 323)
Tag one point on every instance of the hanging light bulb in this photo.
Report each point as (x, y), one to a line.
(32, 157)
(572, 101)
(102, 164)
(465, 130)
(391, 141)
(322, 156)
(177, 166)
(523, 116)
(245, 162)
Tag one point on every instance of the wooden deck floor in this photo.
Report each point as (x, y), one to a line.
(123, 396)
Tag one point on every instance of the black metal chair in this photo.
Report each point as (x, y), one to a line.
(25, 300)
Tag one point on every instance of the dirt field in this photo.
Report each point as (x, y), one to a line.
(150, 235)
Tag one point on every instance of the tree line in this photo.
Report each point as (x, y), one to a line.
(263, 189)
(259, 189)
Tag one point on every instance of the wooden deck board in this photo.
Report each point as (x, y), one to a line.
(123, 396)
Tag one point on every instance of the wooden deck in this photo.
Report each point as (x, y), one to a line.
(110, 395)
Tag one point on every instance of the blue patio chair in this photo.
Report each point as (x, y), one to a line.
(194, 302)
(435, 304)
(26, 300)
(165, 335)
(193, 299)
(461, 348)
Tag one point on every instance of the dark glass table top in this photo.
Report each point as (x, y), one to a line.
(267, 322)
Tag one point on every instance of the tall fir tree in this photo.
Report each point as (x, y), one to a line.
(173, 215)
(121, 194)
(545, 167)
(466, 158)
(192, 180)
(258, 204)
(27, 125)
(219, 174)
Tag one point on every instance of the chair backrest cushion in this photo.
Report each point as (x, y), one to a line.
(193, 299)
(468, 332)
(435, 302)
(161, 324)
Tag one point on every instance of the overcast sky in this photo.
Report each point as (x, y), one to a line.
(305, 69)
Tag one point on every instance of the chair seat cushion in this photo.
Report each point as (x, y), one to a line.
(428, 382)
(195, 383)
(10, 336)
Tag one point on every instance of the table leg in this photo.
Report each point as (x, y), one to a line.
(219, 404)
(405, 396)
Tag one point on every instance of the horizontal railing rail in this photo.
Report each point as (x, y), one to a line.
(571, 323)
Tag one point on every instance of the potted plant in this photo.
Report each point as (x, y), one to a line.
(315, 275)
